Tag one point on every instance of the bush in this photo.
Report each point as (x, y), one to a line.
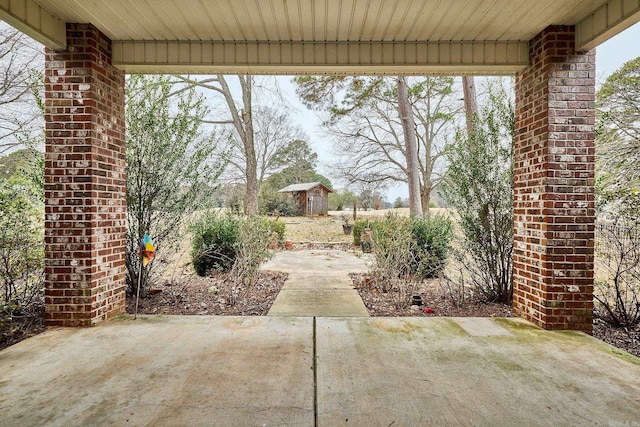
(275, 226)
(430, 236)
(394, 255)
(359, 226)
(479, 184)
(617, 285)
(251, 250)
(21, 248)
(216, 239)
(279, 204)
(213, 243)
(171, 168)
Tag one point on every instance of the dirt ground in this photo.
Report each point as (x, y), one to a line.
(189, 294)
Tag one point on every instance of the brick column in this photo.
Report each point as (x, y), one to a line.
(84, 181)
(554, 212)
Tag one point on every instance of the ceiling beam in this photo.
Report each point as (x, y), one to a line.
(611, 18)
(35, 21)
(321, 57)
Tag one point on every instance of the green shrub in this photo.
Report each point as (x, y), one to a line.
(216, 239)
(479, 186)
(432, 236)
(213, 243)
(394, 255)
(279, 204)
(21, 248)
(275, 226)
(360, 225)
(251, 250)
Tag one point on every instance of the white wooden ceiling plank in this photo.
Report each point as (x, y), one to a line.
(334, 20)
(342, 14)
(224, 17)
(306, 18)
(274, 26)
(198, 21)
(331, 19)
(247, 19)
(513, 28)
(320, 11)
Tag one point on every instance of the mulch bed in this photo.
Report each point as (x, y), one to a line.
(436, 302)
(627, 339)
(21, 328)
(194, 295)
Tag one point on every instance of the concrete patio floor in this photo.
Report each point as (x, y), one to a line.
(255, 371)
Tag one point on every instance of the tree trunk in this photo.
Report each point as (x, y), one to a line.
(408, 127)
(426, 198)
(470, 101)
(251, 174)
(243, 123)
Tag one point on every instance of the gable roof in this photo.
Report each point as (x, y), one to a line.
(306, 186)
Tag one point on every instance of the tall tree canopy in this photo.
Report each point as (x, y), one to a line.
(21, 65)
(364, 121)
(618, 137)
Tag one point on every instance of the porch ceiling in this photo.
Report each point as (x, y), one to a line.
(297, 36)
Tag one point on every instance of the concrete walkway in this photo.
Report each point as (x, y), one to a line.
(289, 371)
(318, 284)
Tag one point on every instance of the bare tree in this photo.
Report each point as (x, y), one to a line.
(21, 64)
(256, 133)
(273, 134)
(241, 118)
(367, 133)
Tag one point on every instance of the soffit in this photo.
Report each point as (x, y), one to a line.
(322, 36)
(322, 20)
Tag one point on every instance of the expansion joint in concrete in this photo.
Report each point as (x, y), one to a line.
(315, 376)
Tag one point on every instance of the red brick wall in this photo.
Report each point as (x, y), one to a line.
(85, 181)
(554, 210)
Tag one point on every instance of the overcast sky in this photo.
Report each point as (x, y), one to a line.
(610, 56)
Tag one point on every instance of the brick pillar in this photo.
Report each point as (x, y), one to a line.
(84, 181)
(554, 212)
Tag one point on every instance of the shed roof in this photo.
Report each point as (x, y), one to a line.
(305, 186)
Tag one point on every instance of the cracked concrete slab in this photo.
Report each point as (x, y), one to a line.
(430, 371)
(197, 371)
(318, 284)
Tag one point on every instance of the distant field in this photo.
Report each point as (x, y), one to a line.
(328, 229)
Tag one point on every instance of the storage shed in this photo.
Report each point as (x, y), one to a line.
(312, 197)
